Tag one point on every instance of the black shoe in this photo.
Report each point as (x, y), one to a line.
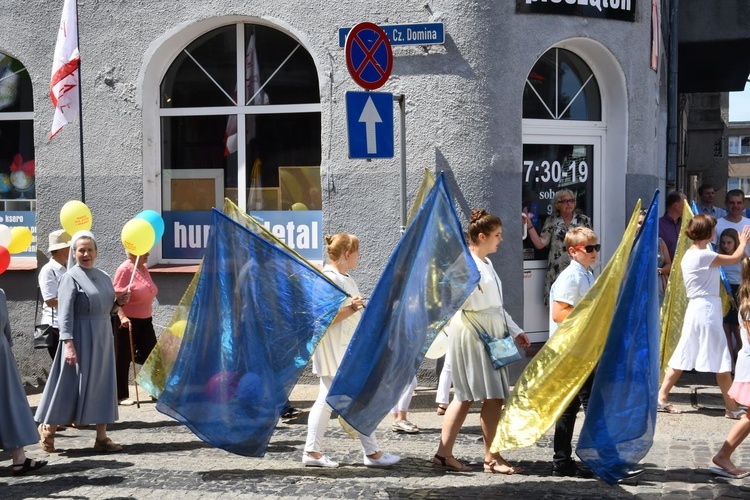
(290, 412)
(572, 469)
(631, 474)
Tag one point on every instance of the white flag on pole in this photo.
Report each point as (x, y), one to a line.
(64, 90)
(252, 86)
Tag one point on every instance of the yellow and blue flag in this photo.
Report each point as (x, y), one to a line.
(621, 414)
(257, 315)
(427, 278)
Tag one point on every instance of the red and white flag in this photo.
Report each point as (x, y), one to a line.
(63, 88)
(252, 86)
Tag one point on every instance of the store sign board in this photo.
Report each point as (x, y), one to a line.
(407, 34)
(186, 232)
(622, 10)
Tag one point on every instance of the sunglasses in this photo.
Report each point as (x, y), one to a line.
(589, 248)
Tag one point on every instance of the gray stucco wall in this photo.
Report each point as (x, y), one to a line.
(463, 104)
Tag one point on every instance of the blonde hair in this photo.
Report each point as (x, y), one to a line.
(580, 236)
(744, 292)
(338, 244)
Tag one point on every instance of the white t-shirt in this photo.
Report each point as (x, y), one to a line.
(570, 287)
(722, 224)
(701, 280)
(49, 279)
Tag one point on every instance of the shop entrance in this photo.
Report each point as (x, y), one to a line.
(552, 163)
(563, 137)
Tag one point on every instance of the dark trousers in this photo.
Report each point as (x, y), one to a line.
(144, 340)
(565, 425)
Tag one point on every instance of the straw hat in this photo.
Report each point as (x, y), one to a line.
(58, 239)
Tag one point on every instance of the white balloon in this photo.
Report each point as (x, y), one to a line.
(5, 236)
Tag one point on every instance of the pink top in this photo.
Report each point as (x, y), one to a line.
(142, 291)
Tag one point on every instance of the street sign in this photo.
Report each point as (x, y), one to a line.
(369, 124)
(368, 55)
(407, 34)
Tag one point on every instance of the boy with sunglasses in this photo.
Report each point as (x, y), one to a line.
(566, 292)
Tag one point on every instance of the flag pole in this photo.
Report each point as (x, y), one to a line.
(80, 106)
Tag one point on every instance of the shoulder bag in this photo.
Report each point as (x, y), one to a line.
(502, 351)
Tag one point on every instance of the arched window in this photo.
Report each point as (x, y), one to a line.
(17, 164)
(257, 143)
(561, 86)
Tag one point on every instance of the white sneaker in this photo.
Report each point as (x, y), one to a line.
(385, 460)
(323, 461)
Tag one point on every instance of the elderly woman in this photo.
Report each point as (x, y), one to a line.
(81, 385)
(134, 317)
(17, 428)
(553, 235)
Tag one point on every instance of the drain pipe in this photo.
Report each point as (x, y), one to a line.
(672, 98)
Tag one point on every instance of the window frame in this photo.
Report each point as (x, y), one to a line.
(158, 61)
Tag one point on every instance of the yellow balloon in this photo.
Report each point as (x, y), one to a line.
(20, 239)
(138, 236)
(75, 216)
(178, 328)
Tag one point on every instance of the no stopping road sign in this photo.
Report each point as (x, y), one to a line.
(369, 57)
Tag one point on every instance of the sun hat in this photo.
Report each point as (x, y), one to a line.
(58, 239)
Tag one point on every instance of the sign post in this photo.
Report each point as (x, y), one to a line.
(369, 115)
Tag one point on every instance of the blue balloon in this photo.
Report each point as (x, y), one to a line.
(154, 218)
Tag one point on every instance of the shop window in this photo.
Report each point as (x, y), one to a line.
(257, 143)
(739, 145)
(17, 164)
(561, 86)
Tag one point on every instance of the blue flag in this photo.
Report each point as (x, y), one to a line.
(427, 278)
(621, 415)
(257, 315)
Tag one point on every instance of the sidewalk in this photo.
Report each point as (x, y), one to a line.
(163, 460)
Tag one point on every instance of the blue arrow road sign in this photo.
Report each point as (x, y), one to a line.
(369, 124)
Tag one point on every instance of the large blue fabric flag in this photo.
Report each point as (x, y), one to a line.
(257, 315)
(621, 416)
(427, 278)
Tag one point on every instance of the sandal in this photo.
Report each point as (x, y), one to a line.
(734, 415)
(667, 407)
(27, 466)
(441, 409)
(495, 467)
(107, 445)
(442, 463)
(47, 439)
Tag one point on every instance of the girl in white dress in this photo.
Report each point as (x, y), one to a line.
(343, 254)
(702, 345)
(474, 377)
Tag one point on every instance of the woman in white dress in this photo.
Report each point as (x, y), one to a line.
(343, 254)
(703, 346)
(474, 377)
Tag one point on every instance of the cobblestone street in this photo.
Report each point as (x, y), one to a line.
(164, 460)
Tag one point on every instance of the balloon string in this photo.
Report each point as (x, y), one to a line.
(135, 269)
